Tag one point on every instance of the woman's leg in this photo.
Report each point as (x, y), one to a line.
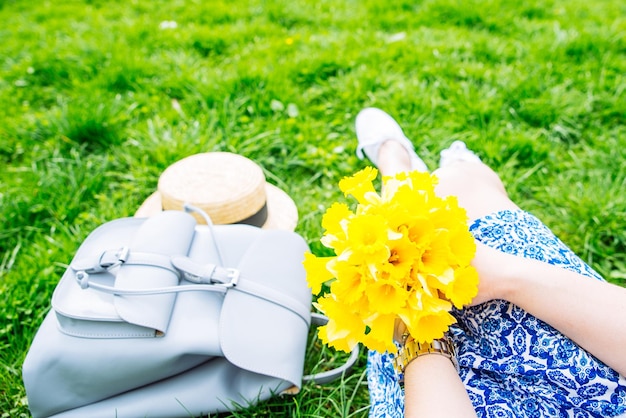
(393, 158)
(477, 187)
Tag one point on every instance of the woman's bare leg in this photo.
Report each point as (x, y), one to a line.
(477, 187)
(393, 158)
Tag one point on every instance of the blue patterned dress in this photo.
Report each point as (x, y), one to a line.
(513, 364)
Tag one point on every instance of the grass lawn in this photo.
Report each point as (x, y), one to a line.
(98, 97)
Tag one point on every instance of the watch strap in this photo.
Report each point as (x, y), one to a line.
(412, 349)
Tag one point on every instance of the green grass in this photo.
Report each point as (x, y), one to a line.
(96, 100)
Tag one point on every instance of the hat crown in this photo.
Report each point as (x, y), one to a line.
(228, 187)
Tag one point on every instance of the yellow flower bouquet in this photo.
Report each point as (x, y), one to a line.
(403, 254)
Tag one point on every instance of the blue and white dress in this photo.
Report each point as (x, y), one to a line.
(513, 364)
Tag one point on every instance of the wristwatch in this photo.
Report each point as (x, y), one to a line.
(411, 349)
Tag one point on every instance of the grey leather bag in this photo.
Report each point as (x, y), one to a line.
(161, 317)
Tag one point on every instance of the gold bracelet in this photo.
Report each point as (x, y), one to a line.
(412, 349)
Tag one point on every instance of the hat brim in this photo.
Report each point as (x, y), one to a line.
(282, 212)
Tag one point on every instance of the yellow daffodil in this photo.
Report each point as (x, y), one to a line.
(462, 246)
(427, 326)
(403, 252)
(387, 296)
(435, 259)
(402, 255)
(359, 184)
(317, 271)
(426, 317)
(420, 231)
(334, 222)
(380, 335)
(464, 287)
(353, 282)
(344, 328)
(439, 281)
(367, 237)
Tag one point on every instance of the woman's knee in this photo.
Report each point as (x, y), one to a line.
(477, 187)
(461, 176)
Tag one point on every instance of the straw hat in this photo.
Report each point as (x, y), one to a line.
(228, 187)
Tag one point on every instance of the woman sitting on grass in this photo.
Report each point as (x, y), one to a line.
(545, 335)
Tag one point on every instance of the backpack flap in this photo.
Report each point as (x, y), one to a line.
(142, 248)
(265, 319)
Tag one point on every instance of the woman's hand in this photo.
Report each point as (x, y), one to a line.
(494, 270)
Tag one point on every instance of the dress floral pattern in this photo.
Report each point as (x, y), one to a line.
(513, 364)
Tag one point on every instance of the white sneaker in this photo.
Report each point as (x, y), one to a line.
(373, 128)
(457, 151)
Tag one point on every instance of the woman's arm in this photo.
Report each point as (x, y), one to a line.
(433, 388)
(590, 312)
